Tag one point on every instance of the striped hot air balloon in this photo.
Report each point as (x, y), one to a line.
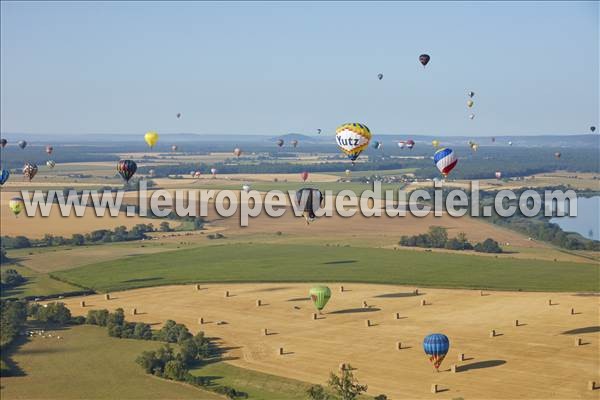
(30, 170)
(436, 347)
(352, 139)
(126, 168)
(445, 160)
(320, 295)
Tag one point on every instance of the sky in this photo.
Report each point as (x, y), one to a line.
(274, 68)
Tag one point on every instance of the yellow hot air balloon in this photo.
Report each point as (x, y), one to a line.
(16, 205)
(435, 143)
(470, 103)
(352, 139)
(151, 138)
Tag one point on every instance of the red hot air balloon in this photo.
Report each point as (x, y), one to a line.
(304, 176)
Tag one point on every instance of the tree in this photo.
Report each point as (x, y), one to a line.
(380, 397)
(77, 239)
(164, 227)
(488, 246)
(438, 236)
(346, 385)
(142, 331)
(316, 392)
(10, 278)
(175, 370)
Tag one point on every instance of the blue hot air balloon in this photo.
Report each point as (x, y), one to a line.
(436, 347)
(4, 174)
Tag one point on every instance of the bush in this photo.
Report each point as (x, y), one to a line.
(97, 317)
(172, 332)
(11, 277)
(52, 313)
(488, 246)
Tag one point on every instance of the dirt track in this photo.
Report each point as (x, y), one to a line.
(537, 359)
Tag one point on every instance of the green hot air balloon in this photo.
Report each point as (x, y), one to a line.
(320, 295)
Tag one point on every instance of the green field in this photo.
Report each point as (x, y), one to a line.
(37, 284)
(88, 364)
(247, 262)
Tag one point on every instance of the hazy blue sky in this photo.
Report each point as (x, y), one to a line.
(273, 68)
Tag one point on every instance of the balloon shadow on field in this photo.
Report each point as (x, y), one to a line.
(578, 331)
(339, 262)
(299, 299)
(273, 289)
(480, 365)
(355, 310)
(398, 295)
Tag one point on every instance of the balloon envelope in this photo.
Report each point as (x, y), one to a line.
(436, 346)
(22, 144)
(30, 170)
(237, 152)
(280, 142)
(380, 76)
(49, 149)
(151, 138)
(435, 143)
(174, 147)
(304, 176)
(592, 128)
(4, 174)
(424, 59)
(16, 205)
(498, 174)
(470, 103)
(50, 164)
(126, 168)
(320, 295)
(445, 160)
(352, 139)
(3, 142)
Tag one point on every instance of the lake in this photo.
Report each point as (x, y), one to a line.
(587, 221)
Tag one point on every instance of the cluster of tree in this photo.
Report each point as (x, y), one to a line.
(11, 278)
(119, 234)
(437, 238)
(56, 314)
(117, 326)
(345, 386)
(13, 315)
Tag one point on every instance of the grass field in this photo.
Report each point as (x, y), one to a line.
(88, 364)
(36, 284)
(308, 263)
(535, 360)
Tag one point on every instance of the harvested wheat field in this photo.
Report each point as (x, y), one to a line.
(536, 359)
(37, 226)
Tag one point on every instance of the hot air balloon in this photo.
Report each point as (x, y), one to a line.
(192, 173)
(319, 131)
(435, 143)
(22, 144)
(410, 144)
(314, 201)
(445, 160)
(294, 143)
(471, 93)
(280, 142)
(151, 138)
(16, 205)
(49, 149)
(178, 115)
(213, 171)
(126, 168)
(197, 174)
(50, 164)
(4, 174)
(304, 176)
(498, 174)
(557, 154)
(29, 171)
(320, 295)
(470, 103)
(402, 144)
(474, 146)
(237, 152)
(3, 142)
(436, 347)
(471, 116)
(174, 147)
(246, 188)
(592, 128)
(151, 172)
(377, 145)
(380, 76)
(510, 143)
(424, 59)
(352, 139)
(348, 172)
(493, 139)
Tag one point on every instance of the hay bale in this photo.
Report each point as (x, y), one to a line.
(399, 345)
(461, 357)
(197, 286)
(341, 289)
(83, 304)
(397, 315)
(516, 322)
(578, 342)
(258, 303)
(342, 366)
(314, 316)
(550, 302)
(493, 333)
(481, 292)
(423, 302)
(365, 305)
(107, 296)
(201, 321)
(227, 293)
(280, 351)
(416, 292)
(265, 332)
(453, 368)
(368, 323)
(591, 385)
(134, 311)
(434, 388)
(572, 311)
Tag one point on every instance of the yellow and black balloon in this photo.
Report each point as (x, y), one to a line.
(352, 139)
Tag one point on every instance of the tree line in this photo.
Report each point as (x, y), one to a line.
(437, 238)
